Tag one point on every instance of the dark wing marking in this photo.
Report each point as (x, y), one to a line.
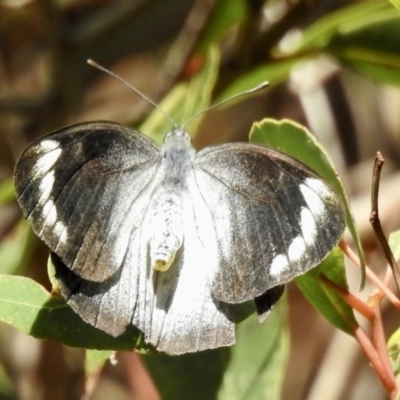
(273, 217)
(266, 301)
(78, 186)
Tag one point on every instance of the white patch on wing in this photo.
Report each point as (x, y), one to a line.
(318, 186)
(296, 250)
(50, 213)
(279, 264)
(46, 186)
(51, 221)
(313, 200)
(61, 232)
(308, 226)
(298, 246)
(45, 162)
(47, 145)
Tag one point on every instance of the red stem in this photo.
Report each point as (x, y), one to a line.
(353, 301)
(378, 334)
(370, 274)
(385, 375)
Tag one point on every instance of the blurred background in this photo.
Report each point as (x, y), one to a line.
(333, 65)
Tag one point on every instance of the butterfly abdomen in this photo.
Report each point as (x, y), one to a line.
(166, 232)
(166, 225)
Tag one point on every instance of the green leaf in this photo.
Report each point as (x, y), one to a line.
(6, 385)
(384, 74)
(396, 3)
(325, 299)
(258, 360)
(295, 140)
(364, 36)
(348, 19)
(226, 14)
(7, 193)
(95, 360)
(373, 49)
(195, 376)
(185, 100)
(28, 307)
(393, 347)
(51, 273)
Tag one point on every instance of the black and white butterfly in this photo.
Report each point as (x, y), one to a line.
(168, 239)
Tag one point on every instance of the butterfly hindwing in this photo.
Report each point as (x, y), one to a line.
(78, 186)
(175, 309)
(273, 217)
(185, 316)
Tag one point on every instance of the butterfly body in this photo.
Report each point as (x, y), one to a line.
(169, 239)
(166, 225)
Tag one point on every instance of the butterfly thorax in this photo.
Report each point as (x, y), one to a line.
(166, 224)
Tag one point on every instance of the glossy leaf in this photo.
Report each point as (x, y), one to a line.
(28, 307)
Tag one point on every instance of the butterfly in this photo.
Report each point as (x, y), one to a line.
(169, 239)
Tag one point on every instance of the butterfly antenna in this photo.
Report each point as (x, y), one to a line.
(261, 86)
(138, 92)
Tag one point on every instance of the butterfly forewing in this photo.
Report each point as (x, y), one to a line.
(273, 217)
(77, 187)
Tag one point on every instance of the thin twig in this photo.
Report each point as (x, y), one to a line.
(375, 222)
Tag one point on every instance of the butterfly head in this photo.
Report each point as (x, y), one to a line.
(177, 142)
(178, 134)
